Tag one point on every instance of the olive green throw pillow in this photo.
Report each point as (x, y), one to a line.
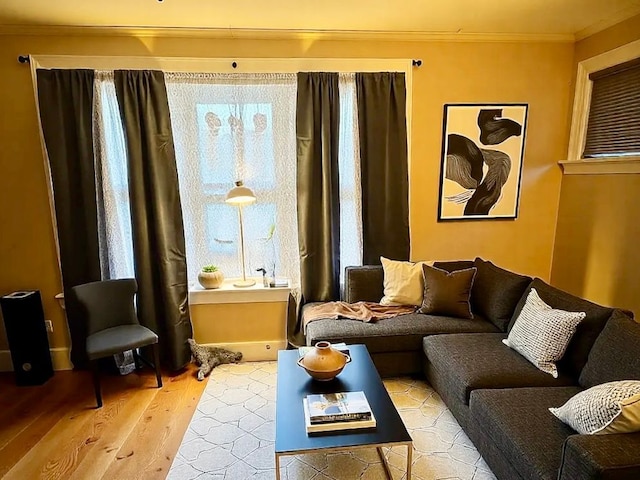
(447, 293)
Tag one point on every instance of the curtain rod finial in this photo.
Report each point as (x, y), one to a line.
(417, 63)
(24, 59)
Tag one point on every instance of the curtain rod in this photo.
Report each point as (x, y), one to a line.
(27, 59)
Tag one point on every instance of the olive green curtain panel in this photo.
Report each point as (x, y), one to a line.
(156, 214)
(65, 99)
(383, 157)
(317, 123)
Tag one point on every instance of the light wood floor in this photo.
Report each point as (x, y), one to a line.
(55, 431)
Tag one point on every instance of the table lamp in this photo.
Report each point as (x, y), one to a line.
(241, 196)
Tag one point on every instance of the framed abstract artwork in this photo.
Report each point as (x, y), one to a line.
(482, 154)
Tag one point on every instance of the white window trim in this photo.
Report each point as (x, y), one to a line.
(227, 293)
(575, 164)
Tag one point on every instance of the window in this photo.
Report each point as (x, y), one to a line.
(613, 129)
(228, 127)
(605, 125)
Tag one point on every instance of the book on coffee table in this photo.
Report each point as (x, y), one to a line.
(369, 422)
(338, 407)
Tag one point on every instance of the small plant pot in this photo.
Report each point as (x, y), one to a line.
(211, 280)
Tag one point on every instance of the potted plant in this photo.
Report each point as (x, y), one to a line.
(210, 277)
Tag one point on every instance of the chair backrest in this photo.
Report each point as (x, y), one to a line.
(106, 304)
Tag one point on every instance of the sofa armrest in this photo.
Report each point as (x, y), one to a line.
(363, 284)
(610, 456)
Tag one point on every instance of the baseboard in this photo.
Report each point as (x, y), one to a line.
(254, 351)
(59, 358)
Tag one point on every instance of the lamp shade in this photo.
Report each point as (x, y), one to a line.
(240, 195)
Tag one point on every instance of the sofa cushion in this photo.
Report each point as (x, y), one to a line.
(615, 354)
(588, 330)
(363, 283)
(496, 292)
(403, 333)
(541, 333)
(453, 265)
(470, 362)
(447, 293)
(519, 423)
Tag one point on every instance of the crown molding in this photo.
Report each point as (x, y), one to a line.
(621, 16)
(282, 34)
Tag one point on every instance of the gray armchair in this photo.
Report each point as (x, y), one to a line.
(112, 324)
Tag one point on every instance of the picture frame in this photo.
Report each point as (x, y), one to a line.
(481, 160)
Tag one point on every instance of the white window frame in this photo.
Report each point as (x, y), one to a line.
(576, 164)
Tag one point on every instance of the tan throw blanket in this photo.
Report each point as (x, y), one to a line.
(363, 311)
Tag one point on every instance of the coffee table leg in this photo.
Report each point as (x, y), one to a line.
(384, 463)
(409, 460)
(277, 467)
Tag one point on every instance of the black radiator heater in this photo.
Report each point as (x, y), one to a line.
(27, 335)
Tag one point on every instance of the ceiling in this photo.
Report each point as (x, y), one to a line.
(534, 17)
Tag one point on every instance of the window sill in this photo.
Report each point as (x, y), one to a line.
(609, 166)
(227, 293)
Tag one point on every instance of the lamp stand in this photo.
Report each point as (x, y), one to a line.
(244, 282)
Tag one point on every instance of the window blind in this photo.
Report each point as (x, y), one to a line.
(613, 128)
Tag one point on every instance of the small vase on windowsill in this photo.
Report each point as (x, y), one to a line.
(210, 277)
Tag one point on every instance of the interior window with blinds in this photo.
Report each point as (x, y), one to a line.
(228, 127)
(613, 128)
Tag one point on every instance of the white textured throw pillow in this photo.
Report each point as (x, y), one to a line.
(612, 407)
(403, 282)
(541, 333)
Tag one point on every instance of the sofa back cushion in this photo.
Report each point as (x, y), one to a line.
(496, 292)
(363, 283)
(587, 332)
(615, 354)
(453, 265)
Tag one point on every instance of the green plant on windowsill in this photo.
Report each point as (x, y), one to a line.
(210, 277)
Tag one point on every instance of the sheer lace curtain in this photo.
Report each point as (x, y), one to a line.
(349, 176)
(114, 215)
(227, 127)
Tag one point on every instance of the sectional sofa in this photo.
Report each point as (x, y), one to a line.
(499, 398)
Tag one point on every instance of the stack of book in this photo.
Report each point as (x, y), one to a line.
(329, 412)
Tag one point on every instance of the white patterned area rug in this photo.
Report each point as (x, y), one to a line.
(231, 436)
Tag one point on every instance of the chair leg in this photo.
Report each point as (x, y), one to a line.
(156, 361)
(136, 358)
(96, 382)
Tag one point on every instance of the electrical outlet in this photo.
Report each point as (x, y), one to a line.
(49, 325)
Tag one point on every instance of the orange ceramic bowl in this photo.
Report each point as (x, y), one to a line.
(324, 363)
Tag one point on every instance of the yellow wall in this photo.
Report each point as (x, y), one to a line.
(535, 73)
(596, 252)
(258, 330)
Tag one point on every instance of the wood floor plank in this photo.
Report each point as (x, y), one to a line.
(37, 415)
(61, 434)
(152, 445)
(18, 411)
(105, 445)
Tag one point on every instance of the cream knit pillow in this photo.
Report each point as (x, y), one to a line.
(403, 282)
(541, 333)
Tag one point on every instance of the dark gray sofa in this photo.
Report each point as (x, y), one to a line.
(395, 345)
(498, 397)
